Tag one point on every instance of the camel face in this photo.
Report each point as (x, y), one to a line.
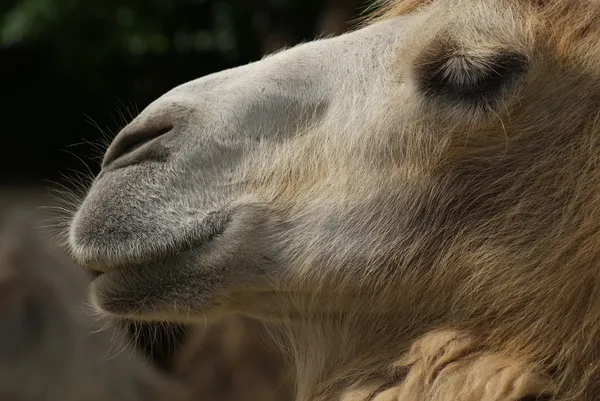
(179, 197)
(342, 167)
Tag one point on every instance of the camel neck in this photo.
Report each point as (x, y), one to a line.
(332, 358)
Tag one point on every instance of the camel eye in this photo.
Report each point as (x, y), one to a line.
(470, 79)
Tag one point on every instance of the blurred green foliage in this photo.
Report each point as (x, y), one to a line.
(135, 26)
(64, 60)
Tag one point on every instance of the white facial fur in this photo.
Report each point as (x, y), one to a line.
(148, 217)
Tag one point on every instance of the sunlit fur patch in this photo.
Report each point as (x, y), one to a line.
(449, 365)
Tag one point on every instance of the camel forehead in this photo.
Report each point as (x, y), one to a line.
(469, 20)
(571, 27)
(394, 8)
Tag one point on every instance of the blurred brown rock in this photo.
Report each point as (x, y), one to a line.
(232, 360)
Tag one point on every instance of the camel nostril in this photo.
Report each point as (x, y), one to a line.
(128, 141)
(95, 273)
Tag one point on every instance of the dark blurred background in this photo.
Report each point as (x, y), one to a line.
(75, 71)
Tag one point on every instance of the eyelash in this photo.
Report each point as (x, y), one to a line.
(469, 80)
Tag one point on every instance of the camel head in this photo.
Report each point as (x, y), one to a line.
(438, 162)
(229, 190)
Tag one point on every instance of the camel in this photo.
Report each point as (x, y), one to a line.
(410, 207)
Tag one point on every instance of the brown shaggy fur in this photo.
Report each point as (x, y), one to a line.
(516, 256)
(533, 273)
(446, 365)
